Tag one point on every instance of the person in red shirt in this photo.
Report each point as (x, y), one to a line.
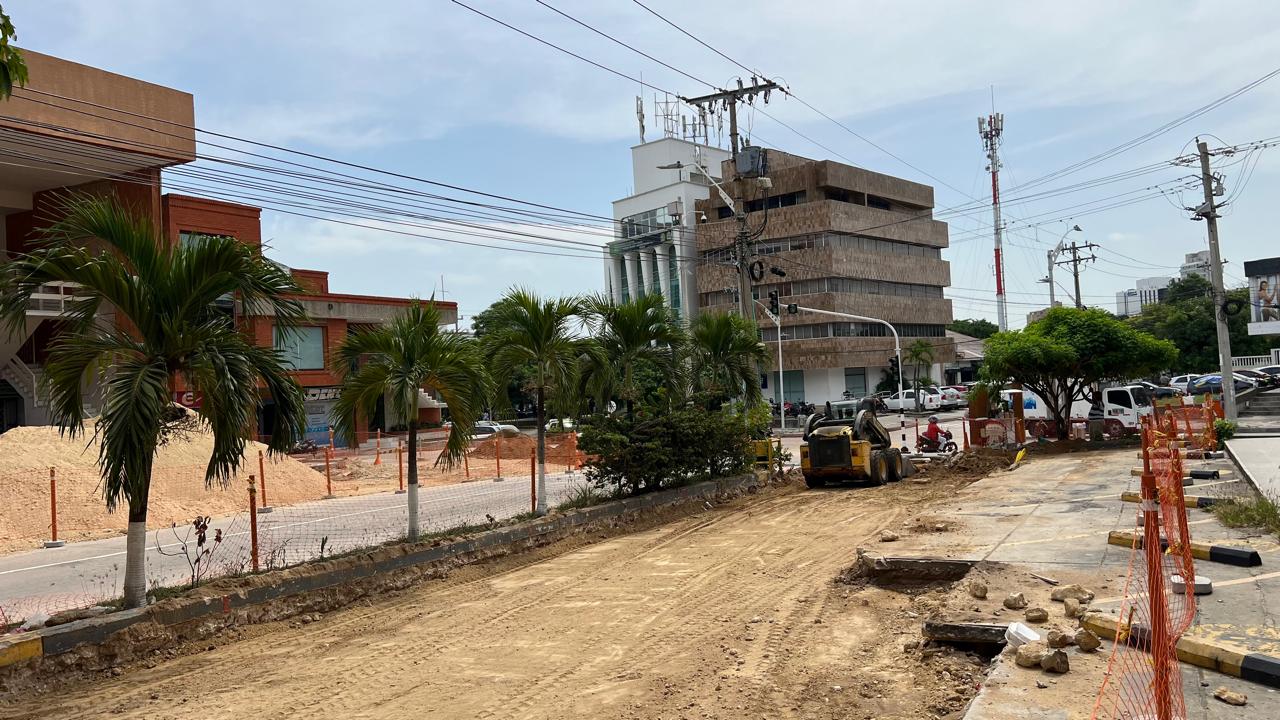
(932, 435)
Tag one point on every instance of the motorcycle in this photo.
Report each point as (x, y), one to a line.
(944, 444)
(307, 445)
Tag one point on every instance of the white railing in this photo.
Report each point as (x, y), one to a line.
(1248, 362)
(51, 299)
(28, 378)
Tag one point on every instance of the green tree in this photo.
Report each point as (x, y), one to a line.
(1185, 317)
(400, 361)
(519, 384)
(920, 354)
(1062, 356)
(726, 352)
(527, 332)
(974, 327)
(167, 296)
(640, 343)
(13, 70)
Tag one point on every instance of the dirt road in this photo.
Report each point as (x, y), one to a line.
(731, 613)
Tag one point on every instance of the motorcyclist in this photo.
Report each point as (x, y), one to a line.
(932, 435)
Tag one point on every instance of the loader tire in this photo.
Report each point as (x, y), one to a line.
(897, 471)
(879, 467)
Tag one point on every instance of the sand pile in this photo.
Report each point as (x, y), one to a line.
(517, 447)
(178, 491)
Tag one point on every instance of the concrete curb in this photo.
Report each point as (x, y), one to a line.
(1215, 655)
(61, 639)
(1243, 557)
(1189, 501)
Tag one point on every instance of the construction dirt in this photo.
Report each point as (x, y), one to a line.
(731, 613)
(178, 490)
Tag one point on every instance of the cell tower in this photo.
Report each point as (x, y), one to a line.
(990, 129)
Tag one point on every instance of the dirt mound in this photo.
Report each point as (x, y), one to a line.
(178, 491)
(510, 447)
(974, 464)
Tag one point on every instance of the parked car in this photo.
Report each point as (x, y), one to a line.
(1273, 370)
(559, 425)
(1180, 381)
(485, 428)
(1213, 384)
(1258, 377)
(951, 398)
(906, 400)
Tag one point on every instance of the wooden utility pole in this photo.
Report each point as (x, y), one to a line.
(743, 251)
(1209, 211)
(1074, 262)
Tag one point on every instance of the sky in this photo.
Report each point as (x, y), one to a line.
(431, 90)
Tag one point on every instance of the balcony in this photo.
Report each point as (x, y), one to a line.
(51, 300)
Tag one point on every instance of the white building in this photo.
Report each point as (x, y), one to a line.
(1148, 291)
(1196, 263)
(655, 247)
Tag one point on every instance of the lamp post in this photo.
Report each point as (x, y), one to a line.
(782, 393)
(1053, 257)
(897, 347)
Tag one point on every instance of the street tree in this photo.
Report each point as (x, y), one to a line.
(13, 69)
(400, 361)
(920, 354)
(975, 328)
(725, 353)
(528, 333)
(1064, 355)
(640, 342)
(1185, 317)
(170, 326)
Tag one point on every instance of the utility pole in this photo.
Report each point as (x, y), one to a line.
(990, 129)
(743, 251)
(1209, 211)
(1074, 262)
(1053, 256)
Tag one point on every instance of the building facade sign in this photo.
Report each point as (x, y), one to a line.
(1264, 296)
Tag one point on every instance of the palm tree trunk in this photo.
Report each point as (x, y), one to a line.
(412, 496)
(542, 453)
(135, 555)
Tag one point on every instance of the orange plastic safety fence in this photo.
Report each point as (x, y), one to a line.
(1143, 678)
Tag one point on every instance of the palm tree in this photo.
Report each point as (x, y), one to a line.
(919, 353)
(169, 325)
(643, 331)
(727, 352)
(401, 360)
(529, 331)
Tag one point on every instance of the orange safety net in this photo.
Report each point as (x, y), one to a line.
(1143, 678)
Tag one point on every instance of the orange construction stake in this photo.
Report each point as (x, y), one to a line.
(497, 453)
(400, 465)
(253, 524)
(262, 480)
(328, 476)
(377, 449)
(53, 541)
(533, 480)
(466, 466)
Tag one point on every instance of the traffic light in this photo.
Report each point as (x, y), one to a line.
(773, 303)
(793, 309)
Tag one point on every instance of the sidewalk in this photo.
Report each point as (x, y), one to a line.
(1051, 517)
(1259, 458)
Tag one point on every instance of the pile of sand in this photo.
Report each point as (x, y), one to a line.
(514, 448)
(178, 491)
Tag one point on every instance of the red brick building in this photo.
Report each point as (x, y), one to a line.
(43, 149)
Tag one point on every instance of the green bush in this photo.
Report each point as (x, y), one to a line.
(657, 450)
(1224, 430)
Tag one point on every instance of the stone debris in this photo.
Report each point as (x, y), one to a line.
(1055, 662)
(1072, 608)
(1058, 639)
(888, 536)
(1230, 697)
(1087, 641)
(1030, 654)
(1016, 601)
(1077, 592)
(978, 590)
(1036, 614)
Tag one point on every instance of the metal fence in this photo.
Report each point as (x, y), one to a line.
(341, 504)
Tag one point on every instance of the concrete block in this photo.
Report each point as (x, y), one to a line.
(17, 650)
(63, 638)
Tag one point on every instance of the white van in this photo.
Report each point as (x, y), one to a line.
(1123, 408)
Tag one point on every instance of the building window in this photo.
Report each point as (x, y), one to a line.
(794, 382)
(302, 348)
(855, 381)
(187, 238)
(878, 203)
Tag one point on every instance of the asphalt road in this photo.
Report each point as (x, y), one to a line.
(83, 573)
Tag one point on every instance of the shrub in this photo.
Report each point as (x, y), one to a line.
(656, 450)
(1224, 430)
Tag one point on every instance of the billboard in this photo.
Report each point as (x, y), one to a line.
(1264, 296)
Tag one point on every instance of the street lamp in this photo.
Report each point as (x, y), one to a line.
(1053, 256)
